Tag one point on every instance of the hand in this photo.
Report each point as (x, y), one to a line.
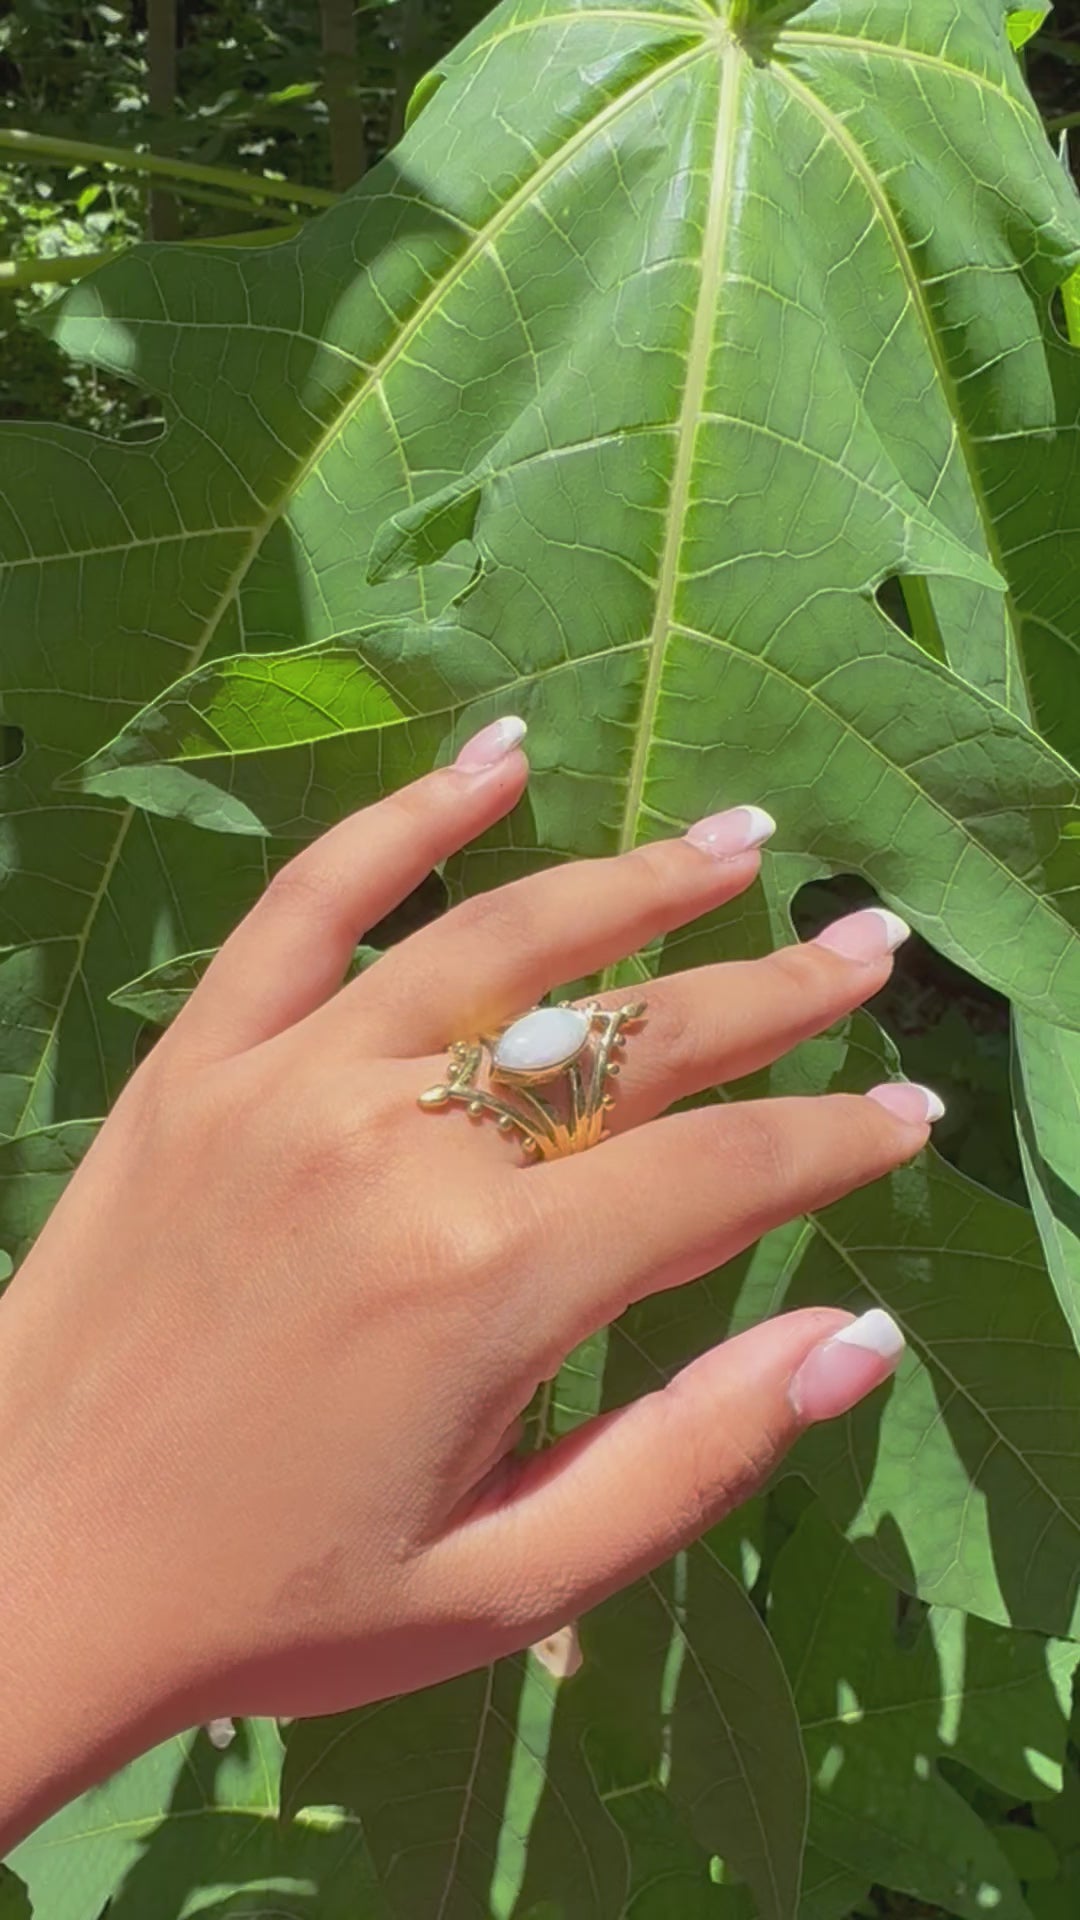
(264, 1370)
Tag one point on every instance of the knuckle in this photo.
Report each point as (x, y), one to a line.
(480, 1246)
(503, 917)
(419, 807)
(763, 1148)
(814, 974)
(654, 881)
(308, 885)
(794, 966)
(673, 1025)
(716, 1475)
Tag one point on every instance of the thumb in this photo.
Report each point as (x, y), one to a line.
(623, 1493)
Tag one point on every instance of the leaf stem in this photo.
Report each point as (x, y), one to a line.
(251, 186)
(60, 269)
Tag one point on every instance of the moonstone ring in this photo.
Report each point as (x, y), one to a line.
(565, 1048)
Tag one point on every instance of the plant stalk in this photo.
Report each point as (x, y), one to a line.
(162, 209)
(81, 153)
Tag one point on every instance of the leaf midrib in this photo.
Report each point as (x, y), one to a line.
(699, 354)
(725, 1721)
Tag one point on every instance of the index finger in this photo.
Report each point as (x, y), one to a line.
(293, 949)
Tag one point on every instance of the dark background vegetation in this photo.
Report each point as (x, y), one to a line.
(312, 93)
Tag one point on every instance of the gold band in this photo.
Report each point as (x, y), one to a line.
(566, 1047)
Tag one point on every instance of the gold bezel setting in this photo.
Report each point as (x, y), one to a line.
(547, 1132)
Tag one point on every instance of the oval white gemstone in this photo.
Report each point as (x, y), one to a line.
(541, 1041)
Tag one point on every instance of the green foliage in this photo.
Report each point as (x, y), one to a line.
(700, 396)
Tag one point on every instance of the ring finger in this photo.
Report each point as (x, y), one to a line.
(714, 1024)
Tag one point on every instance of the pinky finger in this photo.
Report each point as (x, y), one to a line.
(623, 1493)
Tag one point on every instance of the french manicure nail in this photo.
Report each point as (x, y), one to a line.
(491, 744)
(847, 1366)
(908, 1101)
(867, 935)
(735, 831)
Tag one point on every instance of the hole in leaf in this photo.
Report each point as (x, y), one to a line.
(1065, 311)
(890, 598)
(12, 746)
(147, 1034)
(952, 1033)
(905, 600)
(424, 904)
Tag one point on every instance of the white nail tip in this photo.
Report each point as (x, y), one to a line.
(935, 1105)
(896, 930)
(762, 825)
(876, 1331)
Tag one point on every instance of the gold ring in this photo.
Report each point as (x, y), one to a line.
(565, 1043)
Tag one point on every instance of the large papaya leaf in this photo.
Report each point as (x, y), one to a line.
(879, 1710)
(651, 340)
(511, 1793)
(187, 1830)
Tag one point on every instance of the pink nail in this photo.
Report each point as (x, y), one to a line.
(847, 1366)
(869, 935)
(735, 831)
(908, 1101)
(491, 744)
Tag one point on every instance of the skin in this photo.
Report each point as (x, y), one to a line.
(261, 1375)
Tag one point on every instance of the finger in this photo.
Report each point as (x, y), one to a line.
(498, 953)
(714, 1024)
(629, 1489)
(669, 1201)
(292, 951)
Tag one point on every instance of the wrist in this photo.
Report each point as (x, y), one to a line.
(87, 1678)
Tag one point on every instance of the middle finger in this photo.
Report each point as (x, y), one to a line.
(497, 953)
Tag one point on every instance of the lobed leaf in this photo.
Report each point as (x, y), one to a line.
(877, 1717)
(509, 1792)
(187, 1830)
(695, 328)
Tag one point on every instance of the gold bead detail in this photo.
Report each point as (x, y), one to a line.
(435, 1097)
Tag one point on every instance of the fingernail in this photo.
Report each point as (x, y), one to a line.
(908, 1101)
(491, 744)
(735, 831)
(847, 1366)
(868, 935)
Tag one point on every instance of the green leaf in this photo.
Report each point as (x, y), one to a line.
(511, 1793)
(708, 410)
(239, 705)
(187, 1830)
(1023, 22)
(1070, 299)
(14, 1898)
(159, 994)
(34, 1170)
(1046, 1090)
(877, 1718)
(1059, 1821)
